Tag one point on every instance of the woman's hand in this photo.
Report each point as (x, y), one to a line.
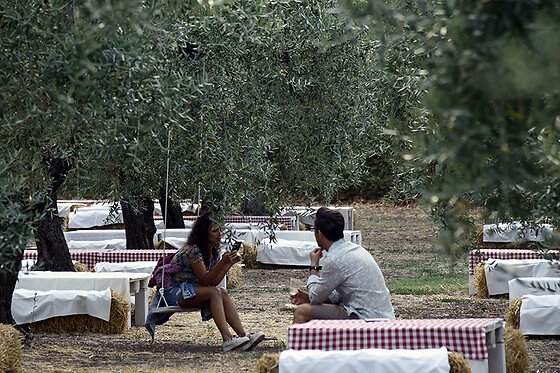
(231, 257)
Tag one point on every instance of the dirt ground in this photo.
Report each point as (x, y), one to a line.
(394, 235)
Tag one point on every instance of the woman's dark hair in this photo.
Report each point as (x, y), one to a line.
(199, 237)
(330, 223)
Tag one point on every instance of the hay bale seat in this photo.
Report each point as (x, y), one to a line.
(11, 352)
(535, 314)
(269, 363)
(517, 356)
(117, 324)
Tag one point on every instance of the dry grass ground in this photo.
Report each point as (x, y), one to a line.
(423, 285)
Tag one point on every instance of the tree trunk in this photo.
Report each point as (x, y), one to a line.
(52, 249)
(173, 218)
(7, 286)
(139, 226)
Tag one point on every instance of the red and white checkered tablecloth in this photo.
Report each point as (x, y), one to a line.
(136, 255)
(466, 336)
(482, 255)
(87, 257)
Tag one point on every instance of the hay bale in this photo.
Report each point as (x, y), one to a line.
(117, 324)
(517, 356)
(457, 363)
(513, 315)
(249, 254)
(11, 353)
(234, 276)
(283, 227)
(302, 227)
(268, 363)
(479, 280)
(80, 267)
(159, 246)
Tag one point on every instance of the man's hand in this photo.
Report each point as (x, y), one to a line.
(300, 298)
(315, 255)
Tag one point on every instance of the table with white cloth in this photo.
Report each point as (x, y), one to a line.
(520, 286)
(498, 272)
(481, 255)
(29, 306)
(137, 267)
(285, 252)
(291, 222)
(95, 215)
(480, 341)
(515, 231)
(540, 314)
(123, 283)
(366, 360)
(111, 244)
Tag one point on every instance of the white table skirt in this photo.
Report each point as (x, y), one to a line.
(498, 272)
(540, 315)
(115, 244)
(135, 267)
(518, 287)
(34, 305)
(366, 360)
(285, 252)
(93, 216)
(514, 232)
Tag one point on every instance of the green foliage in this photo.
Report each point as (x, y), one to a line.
(493, 97)
(16, 221)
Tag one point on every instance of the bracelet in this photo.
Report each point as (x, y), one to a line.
(314, 268)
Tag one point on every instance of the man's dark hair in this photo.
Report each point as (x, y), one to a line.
(330, 223)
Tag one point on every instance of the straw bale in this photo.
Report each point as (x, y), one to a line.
(517, 356)
(11, 353)
(479, 280)
(457, 363)
(302, 226)
(81, 267)
(249, 254)
(268, 363)
(513, 313)
(117, 324)
(234, 276)
(283, 227)
(159, 246)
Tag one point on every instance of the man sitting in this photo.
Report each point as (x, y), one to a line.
(350, 286)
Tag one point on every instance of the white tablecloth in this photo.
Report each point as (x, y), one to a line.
(540, 315)
(285, 252)
(518, 287)
(366, 360)
(514, 231)
(45, 280)
(116, 244)
(35, 305)
(96, 215)
(498, 272)
(95, 234)
(135, 267)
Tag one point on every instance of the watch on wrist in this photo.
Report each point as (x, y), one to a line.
(314, 268)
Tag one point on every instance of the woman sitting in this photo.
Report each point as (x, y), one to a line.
(195, 272)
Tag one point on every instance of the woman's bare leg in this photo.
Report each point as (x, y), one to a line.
(232, 317)
(209, 295)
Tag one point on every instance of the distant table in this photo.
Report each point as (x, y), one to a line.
(481, 255)
(87, 257)
(480, 341)
(134, 255)
(123, 283)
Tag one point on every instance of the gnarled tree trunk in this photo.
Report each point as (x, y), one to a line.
(139, 225)
(173, 217)
(52, 249)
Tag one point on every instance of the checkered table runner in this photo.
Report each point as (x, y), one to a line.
(481, 255)
(467, 336)
(291, 222)
(87, 257)
(136, 255)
